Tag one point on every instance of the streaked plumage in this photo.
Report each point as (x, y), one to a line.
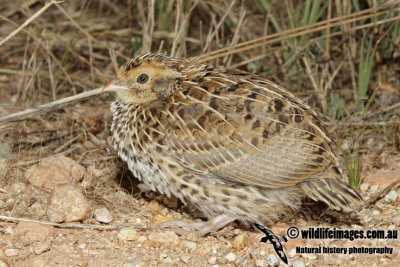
(228, 141)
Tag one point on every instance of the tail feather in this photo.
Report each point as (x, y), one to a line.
(334, 192)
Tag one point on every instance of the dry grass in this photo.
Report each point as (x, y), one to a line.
(53, 54)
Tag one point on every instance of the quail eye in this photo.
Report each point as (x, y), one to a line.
(142, 78)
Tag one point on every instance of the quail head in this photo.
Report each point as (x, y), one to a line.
(234, 144)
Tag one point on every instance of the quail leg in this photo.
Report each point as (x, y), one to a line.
(203, 228)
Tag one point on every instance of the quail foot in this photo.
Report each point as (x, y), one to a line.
(234, 144)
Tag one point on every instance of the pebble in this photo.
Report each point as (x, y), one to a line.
(310, 256)
(272, 260)
(141, 239)
(3, 263)
(185, 258)
(396, 221)
(364, 187)
(103, 215)
(197, 261)
(136, 264)
(230, 257)
(34, 231)
(37, 209)
(379, 204)
(375, 213)
(212, 260)
(11, 252)
(192, 237)
(292, 253)
(374, 188)
(189, 244)
(299, 263)
(241, 241)
(67, 204)
(168, 260)
(391, 196)
(55, 171)
(39, 248)
(166, 237)
(128, 234)
(261, 263)
(9, 230)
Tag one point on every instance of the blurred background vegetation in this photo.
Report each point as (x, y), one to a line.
(341, 57)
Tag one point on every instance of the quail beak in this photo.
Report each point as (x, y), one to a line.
(115, 85)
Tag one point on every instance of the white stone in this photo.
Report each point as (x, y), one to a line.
(364, 187)
(185, 258)
(189, 244)
(375, 213)
(261, 263)
(11, 252)
(212, 260)
(103, 215)
(396, 221)
(3, 263)
(292, 253)
(374, 188)
(127, 234)
(272, 260)
(230, 257)
(311, 257)
(39, 248)
(67, 204)
(141, 239)
(391, 196)
(168, 260)
(299, 263)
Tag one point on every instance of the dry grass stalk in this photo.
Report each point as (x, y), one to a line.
(28, 21)
(49, 106)
(73, 225)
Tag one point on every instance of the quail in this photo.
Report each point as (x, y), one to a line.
(234, 144)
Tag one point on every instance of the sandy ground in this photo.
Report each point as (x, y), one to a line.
(96, 194)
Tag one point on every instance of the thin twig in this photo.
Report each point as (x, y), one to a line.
(28, 21)
(378, 196)
(74, 225)
(49, 106)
